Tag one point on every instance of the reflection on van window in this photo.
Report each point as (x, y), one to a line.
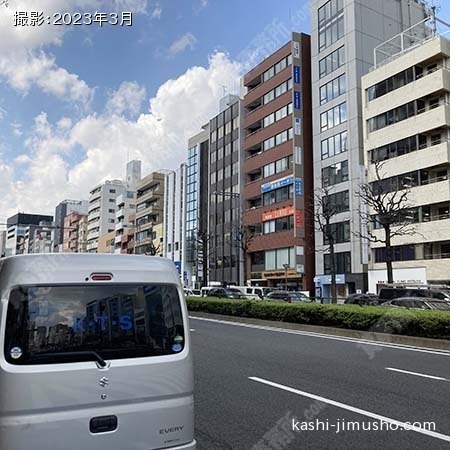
(115, 321)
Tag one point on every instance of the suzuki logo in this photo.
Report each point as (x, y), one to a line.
(103, 382)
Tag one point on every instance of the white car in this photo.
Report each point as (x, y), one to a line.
(95, 354)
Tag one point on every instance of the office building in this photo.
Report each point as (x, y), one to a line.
(226, 261)
(278, 168)
(149, 214)
(407, 134)
(16, 229)
(344, 36)
(64, 209)
(175, 219)
(197, 202)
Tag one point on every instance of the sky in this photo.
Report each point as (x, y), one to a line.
(77, 102)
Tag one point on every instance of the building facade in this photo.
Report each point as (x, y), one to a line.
(278, 168)
(175, 219)
(197, 202)
(75, 233)
(344, 36)
(65, 208)
(16, 230)
(407, 135)
(226, 262)
(149, 214)
(102, 211)
(2, 243)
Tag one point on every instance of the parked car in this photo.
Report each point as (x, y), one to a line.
(392, 293)
(288, 296)
(254, 292)
(419, 303)
(362, 300)
(225, 293)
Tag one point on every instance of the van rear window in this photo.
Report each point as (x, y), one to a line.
(57, 324)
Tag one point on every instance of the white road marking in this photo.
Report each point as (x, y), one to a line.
(192, 329)
(327, 336)
(416, 374)
(362, 412)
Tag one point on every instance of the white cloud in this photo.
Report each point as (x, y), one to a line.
(158, 137)
(157, 12)
(187, 41)
(127, 99)
(135, 6)
(16, 129)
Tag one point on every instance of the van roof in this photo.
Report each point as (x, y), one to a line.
(65, 268)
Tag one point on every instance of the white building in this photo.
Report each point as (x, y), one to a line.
(344, 34)
(102, 211)
(407, 131)
(174, 218)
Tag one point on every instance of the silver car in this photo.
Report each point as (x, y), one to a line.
(95, 354)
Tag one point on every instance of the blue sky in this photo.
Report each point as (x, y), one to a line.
(76, 102)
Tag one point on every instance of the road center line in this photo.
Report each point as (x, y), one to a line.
(362, 342)
(416, 374)
(362, 412)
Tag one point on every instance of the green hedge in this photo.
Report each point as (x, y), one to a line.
(430, 324)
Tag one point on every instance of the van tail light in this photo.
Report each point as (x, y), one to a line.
(101, 276)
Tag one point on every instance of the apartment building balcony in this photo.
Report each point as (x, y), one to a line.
(93, 235)
(94, 204)
(259, 136)
(252, 97)
(94, 215)
(93, 225)
(258, 160)
(430, 119)
(157, 209)
(92, 246)
(119, 226)
(262, 111)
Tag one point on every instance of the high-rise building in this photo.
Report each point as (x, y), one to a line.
(344, 36)
(2, 242)
(102, 211)
(407, 132)
(226, 261)
(197, 202)
(175, 219)
(126, 210)
(278, 169)
(149, 214)
(16, 229)
(65, 208)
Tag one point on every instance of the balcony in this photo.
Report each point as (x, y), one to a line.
(93, 235)
(262, 111)
(120, 226)
(262, 134)
(258, 160)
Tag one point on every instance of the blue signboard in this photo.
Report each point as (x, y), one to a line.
(297, 100)
(178, 266)
(296, 74)
(298, 186)
(277, 184)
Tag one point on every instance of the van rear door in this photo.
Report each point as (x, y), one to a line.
(95, 367)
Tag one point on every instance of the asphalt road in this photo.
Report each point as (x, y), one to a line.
(251, 383)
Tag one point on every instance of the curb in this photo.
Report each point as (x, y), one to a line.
(435, 344)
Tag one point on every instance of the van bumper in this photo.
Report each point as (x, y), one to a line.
(191, 446)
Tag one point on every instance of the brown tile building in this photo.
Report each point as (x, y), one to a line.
(278, 168)
(75, 233)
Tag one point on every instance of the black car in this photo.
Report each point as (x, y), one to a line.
(419, 303)
(288, 296)
(363, 300)
(225, 293)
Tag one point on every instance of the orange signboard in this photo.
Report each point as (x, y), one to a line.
(283, 212)
(299, 218)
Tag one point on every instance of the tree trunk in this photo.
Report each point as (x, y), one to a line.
(389, 269)
(333, 274)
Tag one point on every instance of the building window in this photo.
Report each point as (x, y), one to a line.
(334, 145)
(277, 225)
(279, 139)
(279, 90)
(333, 89)
(278, 166)
(403, 112)
(333, 117)
(278, 195)
(331, 62)
(335, 174)
(340, 233)
(277, 115)
(276, 259)
(277, 68)
(398, 253)
(343, 263)
(338, 202)
(331, 23)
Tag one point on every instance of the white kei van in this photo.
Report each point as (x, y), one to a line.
(94, 354)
